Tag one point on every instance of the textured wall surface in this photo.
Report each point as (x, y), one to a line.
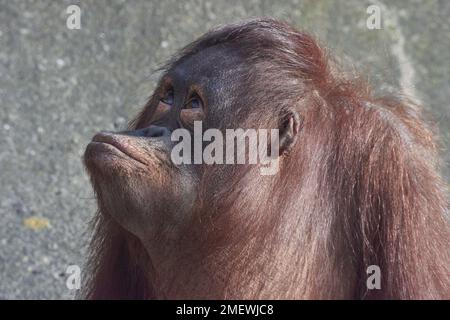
(59, 86)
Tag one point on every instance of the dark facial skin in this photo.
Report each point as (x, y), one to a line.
(132, 173)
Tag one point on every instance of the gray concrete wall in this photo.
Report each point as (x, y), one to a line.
(59, 86)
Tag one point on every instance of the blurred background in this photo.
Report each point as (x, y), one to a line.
(59, 86)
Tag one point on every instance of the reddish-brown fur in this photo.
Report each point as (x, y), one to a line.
(359, 187)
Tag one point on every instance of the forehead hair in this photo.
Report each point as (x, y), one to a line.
(290, 51)
(211, 63)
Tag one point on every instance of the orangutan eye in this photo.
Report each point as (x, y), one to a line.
(168, 97)
(194, 103)
(192, 111)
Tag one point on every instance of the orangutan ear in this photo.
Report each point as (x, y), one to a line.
(289, 129)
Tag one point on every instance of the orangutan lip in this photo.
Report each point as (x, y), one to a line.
(117, 143)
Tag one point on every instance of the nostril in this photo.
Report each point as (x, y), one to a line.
(146, 132)
(165, 132)
(156, 131)
(149, 132)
